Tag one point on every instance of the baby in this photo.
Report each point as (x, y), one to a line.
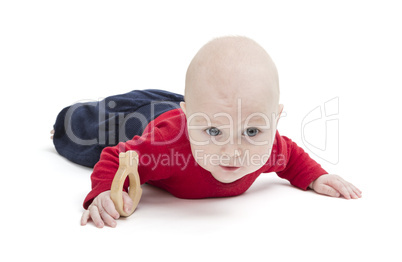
(220, 139)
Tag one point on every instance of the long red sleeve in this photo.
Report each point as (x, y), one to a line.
(298, 168)
(104, 171)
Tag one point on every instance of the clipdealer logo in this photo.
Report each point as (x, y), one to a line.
(320, 131)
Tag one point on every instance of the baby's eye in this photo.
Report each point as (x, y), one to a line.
(213, 131)
(252, 131)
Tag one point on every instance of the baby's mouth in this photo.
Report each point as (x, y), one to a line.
(229, 168)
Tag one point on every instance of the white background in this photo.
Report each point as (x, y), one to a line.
(54, 53)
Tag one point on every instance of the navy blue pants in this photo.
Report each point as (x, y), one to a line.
(84, 129)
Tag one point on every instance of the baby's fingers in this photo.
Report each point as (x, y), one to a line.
(84, 218)
(340, 186)
(105, 210)
(95, 216)
(108, 206)
(348, 190)
(127, 203)
(108, 220)
(327, 190)
(344, 190)
(335, 186)
(356, 193)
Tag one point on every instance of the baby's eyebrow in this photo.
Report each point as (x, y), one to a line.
(255, 121)
(258, 120)
(199, 120)
(223, 120)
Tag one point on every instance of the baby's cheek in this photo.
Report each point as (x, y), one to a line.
(263, 139)
(203, 154)
(257, 156)
(197, 139)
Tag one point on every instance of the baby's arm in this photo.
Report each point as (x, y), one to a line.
(98, 204)
(302, 171)
(335, 186)
(102, 210)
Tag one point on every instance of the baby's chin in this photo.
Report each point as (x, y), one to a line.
(225, 178)
(228, 176)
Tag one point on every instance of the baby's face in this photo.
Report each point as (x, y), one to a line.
(231, 140)
(232, 124)
(231, 107)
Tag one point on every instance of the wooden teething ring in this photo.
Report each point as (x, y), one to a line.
(128, 166)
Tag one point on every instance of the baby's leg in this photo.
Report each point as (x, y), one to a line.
(82, 130)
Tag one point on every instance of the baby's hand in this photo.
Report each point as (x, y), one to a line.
(102, 210)
(335, 186)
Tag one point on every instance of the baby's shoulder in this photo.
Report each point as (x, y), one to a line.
(169, 129)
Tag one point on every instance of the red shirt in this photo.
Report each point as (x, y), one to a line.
(165, 161)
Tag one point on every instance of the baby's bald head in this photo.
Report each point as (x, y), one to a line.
(231, 67)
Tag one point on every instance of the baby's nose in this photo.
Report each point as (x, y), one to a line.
(231, 152)
(230, 158)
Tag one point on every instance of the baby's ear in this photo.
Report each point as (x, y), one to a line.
(280, 109)
(183, 106)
